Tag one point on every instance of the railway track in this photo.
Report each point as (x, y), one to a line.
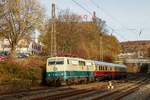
(92, 91)
(121, 92)
(65, 95)
(46, 92)
(80, 94)
(98, 93)
(32, 93)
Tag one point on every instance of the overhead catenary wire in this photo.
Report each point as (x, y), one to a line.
(77, 3)
(114, 31)
(114, 18)
(101, 53)
(92, 16)
(109, 15)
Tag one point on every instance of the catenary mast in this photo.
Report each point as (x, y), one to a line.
(53, 50)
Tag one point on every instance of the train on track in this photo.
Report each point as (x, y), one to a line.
(70, 70)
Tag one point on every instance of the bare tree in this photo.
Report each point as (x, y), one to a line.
(18, 19)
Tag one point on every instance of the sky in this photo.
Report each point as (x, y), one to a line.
(128, 20)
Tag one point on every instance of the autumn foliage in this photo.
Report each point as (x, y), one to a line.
(79, 38)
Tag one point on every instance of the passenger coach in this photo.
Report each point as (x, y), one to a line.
(109, 70)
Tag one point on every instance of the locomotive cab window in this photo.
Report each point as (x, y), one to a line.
(55, 62)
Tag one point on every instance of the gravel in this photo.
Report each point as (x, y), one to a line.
(142, 94)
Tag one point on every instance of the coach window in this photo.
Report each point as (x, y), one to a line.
(73, 62)
(95, 67)
(99, 67)
(102, 67)
(110, 68)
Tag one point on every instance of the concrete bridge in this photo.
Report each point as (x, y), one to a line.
(144, 64)
(137, 61)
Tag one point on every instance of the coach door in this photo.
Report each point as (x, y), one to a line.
(89, 68)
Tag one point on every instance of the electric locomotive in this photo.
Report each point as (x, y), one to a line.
(68, 70)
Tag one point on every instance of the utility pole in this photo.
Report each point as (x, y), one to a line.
(94, 17)
(138, 50)
(53, 48)
(100, 38)
(101, 47)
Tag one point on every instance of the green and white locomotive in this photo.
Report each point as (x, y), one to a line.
(68, 70)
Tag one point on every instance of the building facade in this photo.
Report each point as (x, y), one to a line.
(136, 55)
(28, 47)
(136, 49)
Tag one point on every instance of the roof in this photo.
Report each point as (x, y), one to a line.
(108, 64)
(136, 42)
(65, 57)
(96, 62)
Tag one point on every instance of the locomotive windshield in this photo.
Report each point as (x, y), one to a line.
(56, 62)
